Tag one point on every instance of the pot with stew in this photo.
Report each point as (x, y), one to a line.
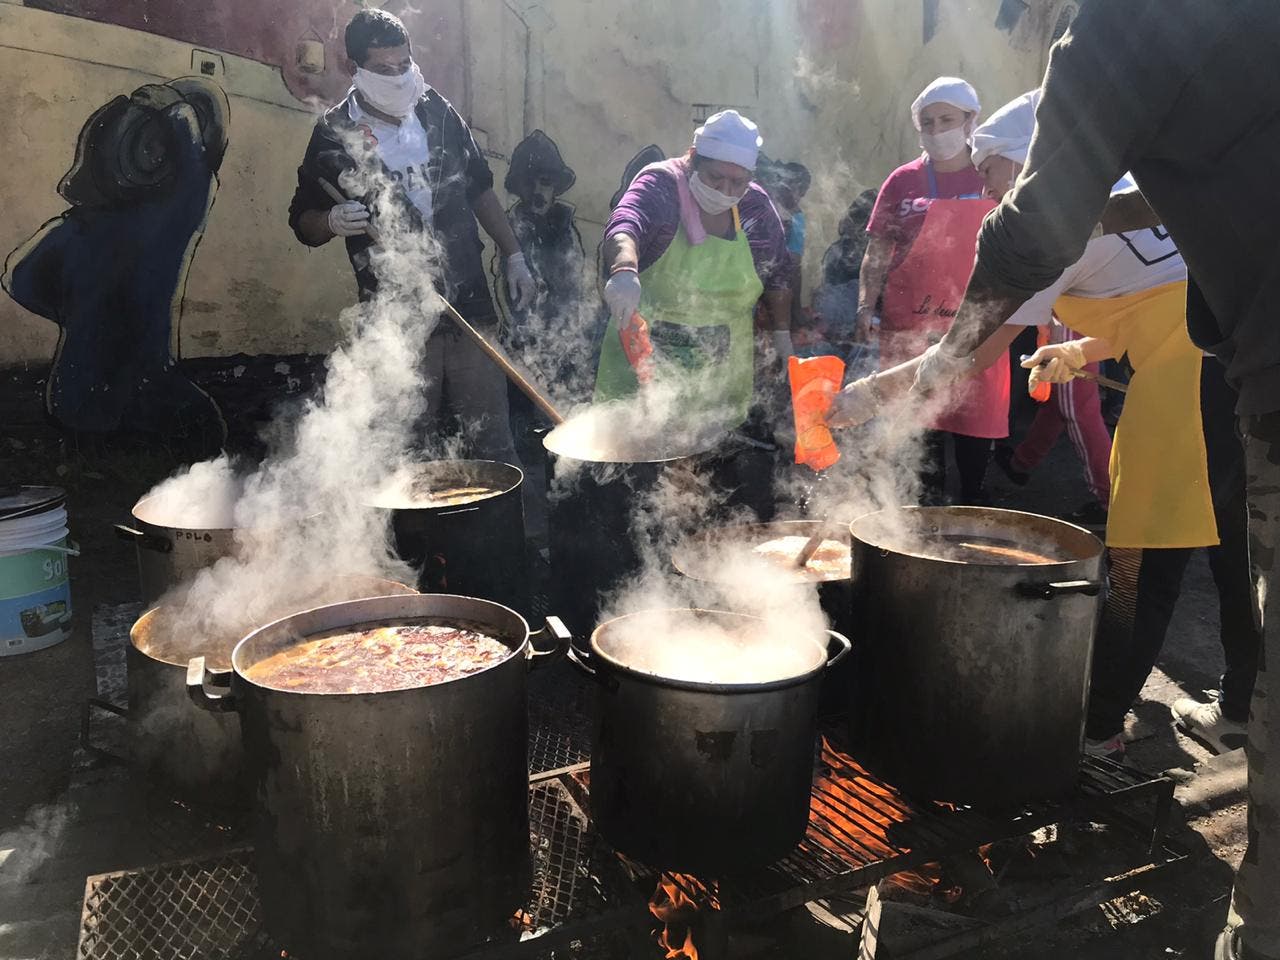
(460, 523)
(977, 631)
(386, 743)
(702, 756)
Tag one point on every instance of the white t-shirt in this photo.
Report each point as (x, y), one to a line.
(404, 150)
(1114, 265)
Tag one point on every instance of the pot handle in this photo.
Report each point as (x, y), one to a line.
(200, 678)
(1049, 591)
(146, 541)
(575, 657)
(563, 641)
(843, 642)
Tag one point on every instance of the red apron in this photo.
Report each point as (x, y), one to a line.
(921, 298)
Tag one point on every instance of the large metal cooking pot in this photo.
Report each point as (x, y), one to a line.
(460, 523)
(603, 463)
(700, 777)
(196, 752)
(388, 824)
(979, 628)
(169, 551)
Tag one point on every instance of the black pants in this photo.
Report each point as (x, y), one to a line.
(973, 456)
(1122, 664)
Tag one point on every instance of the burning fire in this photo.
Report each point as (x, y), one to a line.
(676, 902)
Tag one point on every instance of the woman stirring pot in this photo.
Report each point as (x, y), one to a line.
(693, 247)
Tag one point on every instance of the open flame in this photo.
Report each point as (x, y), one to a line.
(676, 902)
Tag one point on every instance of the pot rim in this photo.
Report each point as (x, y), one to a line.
(554, 442)
(513, 483)
(700, 686)
(703, 537)
(1022, 568)
(519, 650)
(153, 612)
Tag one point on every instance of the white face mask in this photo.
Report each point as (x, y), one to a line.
(946, 145)
(394, 96)
(711, 200)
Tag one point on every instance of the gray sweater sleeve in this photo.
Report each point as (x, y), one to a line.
(1107, 89)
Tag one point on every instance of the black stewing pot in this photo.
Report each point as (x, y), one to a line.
(391, 824)
(703, 776)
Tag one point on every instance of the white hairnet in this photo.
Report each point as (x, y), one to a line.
(729, 136)
(959, 93)
(1008, 132)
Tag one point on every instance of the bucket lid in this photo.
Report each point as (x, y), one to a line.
(23, 501)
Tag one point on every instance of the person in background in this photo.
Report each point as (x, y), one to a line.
(1182, 109)
(835, 302)
(791, 184)
(403, 138)
(918, 257)
(693, 247)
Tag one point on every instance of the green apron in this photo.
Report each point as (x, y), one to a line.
(699, 303)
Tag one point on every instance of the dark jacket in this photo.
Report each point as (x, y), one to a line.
(1184, 94)
(457, 170)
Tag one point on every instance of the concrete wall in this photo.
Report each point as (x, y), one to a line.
(829, 81)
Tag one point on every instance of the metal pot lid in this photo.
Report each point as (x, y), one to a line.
(443, 484)
(716, 555)
(711, 650)
(23, 501)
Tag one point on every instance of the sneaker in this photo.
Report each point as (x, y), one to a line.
(1003, 456)
(1091, 514)
(1112, 748)
(1229, 946)
(1205, 722)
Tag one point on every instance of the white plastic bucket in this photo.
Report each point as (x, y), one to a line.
(35, 586)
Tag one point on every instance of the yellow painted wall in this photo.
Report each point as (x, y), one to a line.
(602, 77)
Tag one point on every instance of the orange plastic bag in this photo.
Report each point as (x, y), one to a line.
(814, 384)
(637, 346)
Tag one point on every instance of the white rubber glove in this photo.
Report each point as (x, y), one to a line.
(782, 344)
(1055, 363)
(622, 295)
(855, 404)
(521, 287)
(938, 368)
(349, 219)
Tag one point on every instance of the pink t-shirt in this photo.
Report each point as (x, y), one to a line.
(905, 196)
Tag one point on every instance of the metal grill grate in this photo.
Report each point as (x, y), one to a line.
(860, 831)
(208, 909)
(187, 910)
(560, 704)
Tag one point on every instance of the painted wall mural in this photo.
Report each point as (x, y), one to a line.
(112, 270)
(548, 233)
(301, 37)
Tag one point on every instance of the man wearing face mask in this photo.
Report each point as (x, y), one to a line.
(694, 247)
(922, 232)
(400, 135)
